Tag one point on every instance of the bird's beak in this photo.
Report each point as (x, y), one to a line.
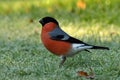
(40, 21)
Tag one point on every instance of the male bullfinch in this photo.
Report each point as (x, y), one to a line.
(60, 43)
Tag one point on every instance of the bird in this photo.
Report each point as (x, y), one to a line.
(59, 42)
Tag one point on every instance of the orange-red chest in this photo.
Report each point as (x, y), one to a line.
(54, 46)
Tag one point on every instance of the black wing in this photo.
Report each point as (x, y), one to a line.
(58, 34)
(74, 40)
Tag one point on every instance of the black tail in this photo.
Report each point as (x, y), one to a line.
(99, 47)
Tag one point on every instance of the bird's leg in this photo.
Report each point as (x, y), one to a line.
(63, 58)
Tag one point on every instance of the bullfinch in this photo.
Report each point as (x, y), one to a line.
(59, 42)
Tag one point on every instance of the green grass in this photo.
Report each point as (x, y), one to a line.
(23, 56)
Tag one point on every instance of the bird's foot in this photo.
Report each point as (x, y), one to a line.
(63, 59)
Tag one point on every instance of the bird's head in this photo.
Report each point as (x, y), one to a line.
(46, 20)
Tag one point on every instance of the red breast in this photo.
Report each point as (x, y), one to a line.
(54, 46)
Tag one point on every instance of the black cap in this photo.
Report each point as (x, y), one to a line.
(45, 20)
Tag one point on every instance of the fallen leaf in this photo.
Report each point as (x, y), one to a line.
(82, 73)
(81, 4)
(86, 75)
(31, 20)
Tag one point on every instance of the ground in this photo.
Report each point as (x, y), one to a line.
(23, 56)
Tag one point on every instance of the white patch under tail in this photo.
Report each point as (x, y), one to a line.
(77, 48)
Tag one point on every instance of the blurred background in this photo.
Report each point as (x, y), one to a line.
(85, 10)
(89, 16)
(23, 57)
